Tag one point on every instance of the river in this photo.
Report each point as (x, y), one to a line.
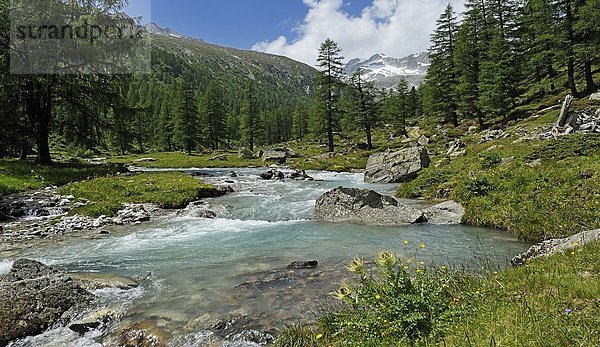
(197, 265)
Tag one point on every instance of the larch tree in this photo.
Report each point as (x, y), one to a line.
(442, 77)
(330, 64)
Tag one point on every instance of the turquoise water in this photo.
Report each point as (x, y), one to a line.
(197, 264)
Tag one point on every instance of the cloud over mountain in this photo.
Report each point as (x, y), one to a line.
(396, 27)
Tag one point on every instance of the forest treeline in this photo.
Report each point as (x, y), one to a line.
(485, 62)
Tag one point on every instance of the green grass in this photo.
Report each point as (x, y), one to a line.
(529, 306)
(107, 195)
(550, 301)
(182, 160)
(556, 198)
(18, 176)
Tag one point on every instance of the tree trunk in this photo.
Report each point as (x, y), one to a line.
(369, 138)
(24, 149)
(43, 146)
(39, 110)
(589, 77)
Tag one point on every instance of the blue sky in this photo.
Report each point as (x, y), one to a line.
(295, 28)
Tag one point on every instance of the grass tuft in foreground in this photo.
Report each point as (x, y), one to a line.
(107, 195)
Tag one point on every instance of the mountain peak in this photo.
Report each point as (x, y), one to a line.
(154, 29)
(387, 71)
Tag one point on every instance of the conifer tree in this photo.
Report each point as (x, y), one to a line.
(330, 64)
(442, 77)
(364, 107)
(587, 29)
(187, 130)
(299, 122)
(213, 116)
(468, 56)
(249, 118)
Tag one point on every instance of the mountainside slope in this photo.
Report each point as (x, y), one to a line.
(275, 76)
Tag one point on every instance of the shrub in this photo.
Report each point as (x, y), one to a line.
(489, 161)
(399, 302)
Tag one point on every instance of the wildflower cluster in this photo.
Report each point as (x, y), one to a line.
(394, 300)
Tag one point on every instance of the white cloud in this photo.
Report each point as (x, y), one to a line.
(394, 27)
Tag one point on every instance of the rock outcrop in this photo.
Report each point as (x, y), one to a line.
(555, 246)
(360, 206)
(33, 297)
(570, 121)
(396, 167)
(449, 212)
(278, 155)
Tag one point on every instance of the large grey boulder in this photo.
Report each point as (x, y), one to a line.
(449, 212)
(363, 206)
(33, 297)
(554, 246)
(396, 167)
(278, 155)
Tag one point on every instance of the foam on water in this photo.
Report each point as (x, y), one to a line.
(5, 266)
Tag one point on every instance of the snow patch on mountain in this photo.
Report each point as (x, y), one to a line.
(153, 28)
(386, 71)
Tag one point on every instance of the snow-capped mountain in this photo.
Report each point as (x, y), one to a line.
(153, 28)
(386, 71)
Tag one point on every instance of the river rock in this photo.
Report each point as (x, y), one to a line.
(364, 206)
(242, 329)
(33, 297)
(93, 321)
(449, 212)
(142, 334)
(303, 264)
(198, 209)
(301, 175)
(273, 174)
(554, 246)
(95, 281)
(396, 167)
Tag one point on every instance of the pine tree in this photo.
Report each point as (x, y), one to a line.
(400, 105)
(364, 107)
(541, 39)
(587, 29)
(250, 119)
(187, 130)
(212, 114)
(468, 55)
(442, 77)
(233, 128)
(299, 122)
(330, 63)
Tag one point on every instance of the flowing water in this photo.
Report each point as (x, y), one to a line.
(198, 265)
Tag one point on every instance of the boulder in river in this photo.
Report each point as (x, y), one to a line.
(142, 334)
(273, 174)
(555, 246)
(449, 212)
(303, 264)
(33, 297)
(364, 206)
(396, 167)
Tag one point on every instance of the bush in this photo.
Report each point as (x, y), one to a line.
(489, 161)
(399, 303)
(478, 186)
